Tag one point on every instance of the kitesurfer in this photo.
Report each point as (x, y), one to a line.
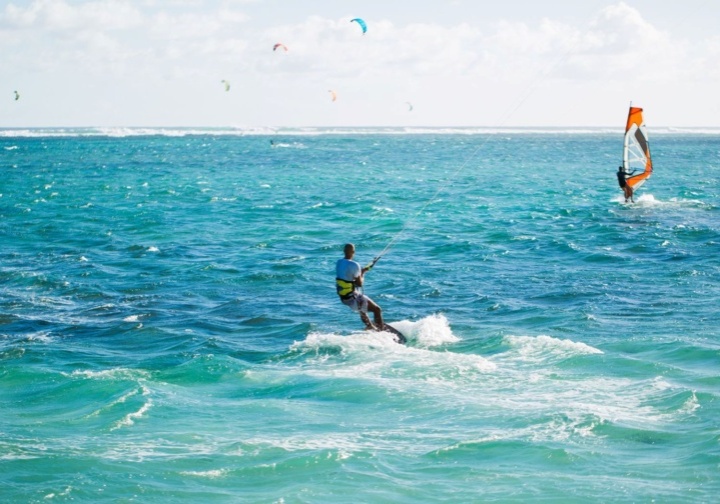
(349, 282)
(627, 188)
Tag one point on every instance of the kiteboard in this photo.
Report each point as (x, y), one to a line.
(397, 335)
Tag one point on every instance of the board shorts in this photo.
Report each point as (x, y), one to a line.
(357, 303)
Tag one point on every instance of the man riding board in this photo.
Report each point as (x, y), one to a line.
(349, 282)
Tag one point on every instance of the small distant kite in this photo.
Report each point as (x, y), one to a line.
(280, 46)
(410, 107)
(333, 94)
(361, 23)
(226, 84)
(17, 95)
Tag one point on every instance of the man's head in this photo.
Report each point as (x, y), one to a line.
(349, 250)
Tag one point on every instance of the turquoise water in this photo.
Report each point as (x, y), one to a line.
(169, 330)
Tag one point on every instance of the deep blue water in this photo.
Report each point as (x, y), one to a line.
(169, 329)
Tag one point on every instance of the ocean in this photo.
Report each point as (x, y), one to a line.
(170, 332)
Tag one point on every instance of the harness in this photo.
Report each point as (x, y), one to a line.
(345, 288)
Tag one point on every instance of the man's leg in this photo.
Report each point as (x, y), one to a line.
(366, 320)
(377, 314)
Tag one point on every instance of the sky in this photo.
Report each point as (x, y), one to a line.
(527, 63)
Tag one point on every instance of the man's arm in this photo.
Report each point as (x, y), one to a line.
(358, 280)
(370, 266)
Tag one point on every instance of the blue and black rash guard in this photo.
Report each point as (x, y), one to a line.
(621, 178)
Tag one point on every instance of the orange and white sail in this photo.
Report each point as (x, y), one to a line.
(636, 149)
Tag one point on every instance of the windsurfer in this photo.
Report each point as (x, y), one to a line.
(349, 281)
(627, 188)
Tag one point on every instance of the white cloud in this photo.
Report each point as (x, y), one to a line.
(453, 72)
(618, 40)
(58, 15)
(622, 45)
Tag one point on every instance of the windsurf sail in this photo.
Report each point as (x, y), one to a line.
(636, 149)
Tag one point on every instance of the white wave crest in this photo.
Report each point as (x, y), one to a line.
(540, 347)
(649, 201)
(212, 474)
(130, 418)
(120, 132)
(427, 332)
(41, 336)
(111, 374)
(374, 354)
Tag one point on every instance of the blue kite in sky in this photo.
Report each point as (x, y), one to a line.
(361, 23)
